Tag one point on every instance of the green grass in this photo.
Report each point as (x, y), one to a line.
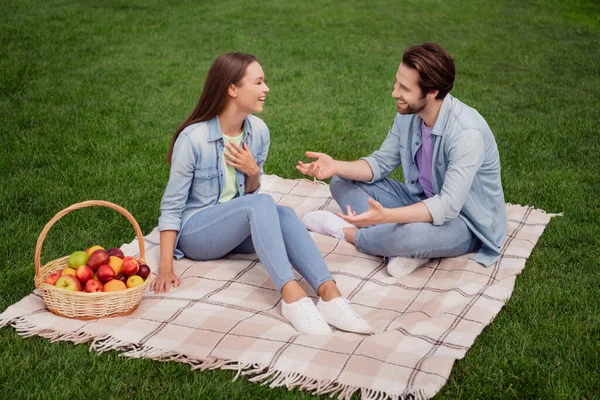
(90, 93)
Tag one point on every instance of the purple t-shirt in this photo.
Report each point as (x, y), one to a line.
(424, 158)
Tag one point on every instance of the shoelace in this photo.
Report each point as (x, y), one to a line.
(310, 313)
(348, 310)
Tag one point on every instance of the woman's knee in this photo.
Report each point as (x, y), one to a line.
(262, 200)
(286, 213)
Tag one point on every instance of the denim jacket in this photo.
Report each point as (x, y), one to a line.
(197, 174)
(465, 171)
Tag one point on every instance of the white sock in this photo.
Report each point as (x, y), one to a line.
(327, 223)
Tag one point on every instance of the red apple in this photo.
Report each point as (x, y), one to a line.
(84, 273)
(53, 277)
(105, 273)
(69, 282)
(121, 278)
(130, 266)
(113, 251)
(93, 285)
(144, 271)
(98, 258)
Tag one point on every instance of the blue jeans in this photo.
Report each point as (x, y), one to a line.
(254, 223)
(417, 239)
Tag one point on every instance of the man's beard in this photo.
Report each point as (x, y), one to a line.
(413, 108)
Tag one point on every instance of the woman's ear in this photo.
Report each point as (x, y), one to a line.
(232, 90)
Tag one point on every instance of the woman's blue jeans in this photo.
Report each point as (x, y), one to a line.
(416, 240)
(254, 223)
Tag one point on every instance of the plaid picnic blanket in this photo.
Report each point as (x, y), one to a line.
(226, 313)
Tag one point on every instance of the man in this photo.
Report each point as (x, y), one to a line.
(452, 201)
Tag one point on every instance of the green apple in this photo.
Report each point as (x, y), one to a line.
(77, 259)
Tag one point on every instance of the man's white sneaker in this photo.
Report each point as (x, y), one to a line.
(339, 313)
(399, 267)
(326, 222)
(304, 316)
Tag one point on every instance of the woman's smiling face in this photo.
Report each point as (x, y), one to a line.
(252, 90)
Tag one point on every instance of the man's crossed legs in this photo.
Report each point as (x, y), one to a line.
(406, 245)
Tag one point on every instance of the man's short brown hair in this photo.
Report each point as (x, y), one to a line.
(435, 67)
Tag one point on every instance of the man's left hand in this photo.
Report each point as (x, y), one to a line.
(375, 215)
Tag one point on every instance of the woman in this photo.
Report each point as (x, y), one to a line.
(211, 206)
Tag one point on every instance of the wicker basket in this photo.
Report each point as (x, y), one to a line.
(82, 305)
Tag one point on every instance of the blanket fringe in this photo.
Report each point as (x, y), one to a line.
(256, 372)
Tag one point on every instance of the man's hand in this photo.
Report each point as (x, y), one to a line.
(322, 168)
(375, 215)
(241, 158)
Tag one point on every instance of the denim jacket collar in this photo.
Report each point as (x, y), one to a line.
(442, 119)
(214, 129)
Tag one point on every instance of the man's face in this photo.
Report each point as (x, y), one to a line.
(410, 98)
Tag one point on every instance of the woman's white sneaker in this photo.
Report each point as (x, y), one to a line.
(399, 267)
(339, 313)
(304, 316)
(327, 223)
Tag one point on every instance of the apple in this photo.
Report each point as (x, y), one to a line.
(98, 258)
(84, 273)
(134, 280)
(77, 259)
(105, 273)
(113, 251)
(121, 278)
(130, 266)
(69, 282)
(69, 271)
(94, 285)
(144, 271)
(92, 249)
(53, 277)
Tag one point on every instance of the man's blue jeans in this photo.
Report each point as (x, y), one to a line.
(254, 223)
(417, 240)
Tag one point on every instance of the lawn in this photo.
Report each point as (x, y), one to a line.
(91, 92)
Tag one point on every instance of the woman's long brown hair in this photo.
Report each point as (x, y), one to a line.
(227, 69)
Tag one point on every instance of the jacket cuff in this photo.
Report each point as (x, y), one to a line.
(374, 168)
(168, 225)
(436, 209)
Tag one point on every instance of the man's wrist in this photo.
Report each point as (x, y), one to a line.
(336, 168)
(388, 216)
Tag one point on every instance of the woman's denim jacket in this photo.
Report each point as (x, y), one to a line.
(465, 172)
(198, 170)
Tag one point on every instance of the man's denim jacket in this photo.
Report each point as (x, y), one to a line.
(465, 172)
(197, 172)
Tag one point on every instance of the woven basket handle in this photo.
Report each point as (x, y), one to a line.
(77, 206)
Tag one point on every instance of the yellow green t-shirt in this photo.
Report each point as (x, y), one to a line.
(230, 189)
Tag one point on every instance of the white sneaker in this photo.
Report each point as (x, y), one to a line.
(399, 267)
(327, 223)
(339, 313)
(304, 316)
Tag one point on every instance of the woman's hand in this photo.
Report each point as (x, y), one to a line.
(241, 158)
(162, 282)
